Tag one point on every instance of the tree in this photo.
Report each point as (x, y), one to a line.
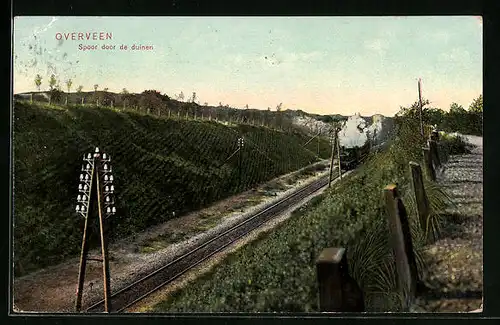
(279, 115)
(95, 87)
(477, 105)
(69, 83)
(455, 108)
(52, 82)
(151, 99)
(125, 91)
(79, 92)
(95, 94)
(52, 85)
(38, 81)
(180, 96)
(193, 98)
(106, 89)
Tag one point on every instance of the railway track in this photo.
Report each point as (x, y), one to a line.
(141, 288)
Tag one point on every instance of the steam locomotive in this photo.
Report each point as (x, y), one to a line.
(352, 157)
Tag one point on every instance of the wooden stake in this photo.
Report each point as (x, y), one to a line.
(338, 292)
(431, 172)
(423, 207)
(401, 242)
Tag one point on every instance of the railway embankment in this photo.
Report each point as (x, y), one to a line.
(52, 289)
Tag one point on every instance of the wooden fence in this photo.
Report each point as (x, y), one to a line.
(338, 292)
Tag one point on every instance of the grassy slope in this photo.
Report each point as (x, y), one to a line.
(160, 166)
(277, 272)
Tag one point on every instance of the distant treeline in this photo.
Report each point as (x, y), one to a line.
(156, 103)
(457, 119)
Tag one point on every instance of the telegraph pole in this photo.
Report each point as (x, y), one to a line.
(420, 108)
(240, 160)
(333, 140)
(90, 179)
(338, 155)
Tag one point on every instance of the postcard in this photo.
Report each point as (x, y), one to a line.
(247, 164)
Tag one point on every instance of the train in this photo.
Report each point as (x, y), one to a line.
(350, 158)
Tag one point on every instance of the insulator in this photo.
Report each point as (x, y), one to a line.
(80, 186)
(104, 156)
(77, 208)
(108, 210)
(79, 198)
(106, 188)
(89, 156)
(111, 178)
(81, 176)
(107, 198)
(114, 209)
(105, 177)
(105, 167)
(112, 188)
(85, 187)
(96, 149)
(87, 177)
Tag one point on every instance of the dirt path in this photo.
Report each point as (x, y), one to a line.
(53, 289)
(455, 278)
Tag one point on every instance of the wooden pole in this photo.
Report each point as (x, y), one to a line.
(420, 109)
(423, 207)
(104, 251)
(338, 156)
(239, 161)
(83, 266)
(85, 247)
(334, 141)
(401, 242)
(428, 163)
(338, 292)
(434, 152)
(318, 147)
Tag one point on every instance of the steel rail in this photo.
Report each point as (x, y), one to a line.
(152, 282)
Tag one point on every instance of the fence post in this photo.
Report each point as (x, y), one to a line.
(401, 242)
(434, 153)
(338, 292)
(423, 207)
(431, 172)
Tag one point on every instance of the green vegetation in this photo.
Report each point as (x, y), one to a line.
(456, 119)
(162, 166)
(276, 273)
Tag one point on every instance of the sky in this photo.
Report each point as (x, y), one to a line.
(323, 65)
